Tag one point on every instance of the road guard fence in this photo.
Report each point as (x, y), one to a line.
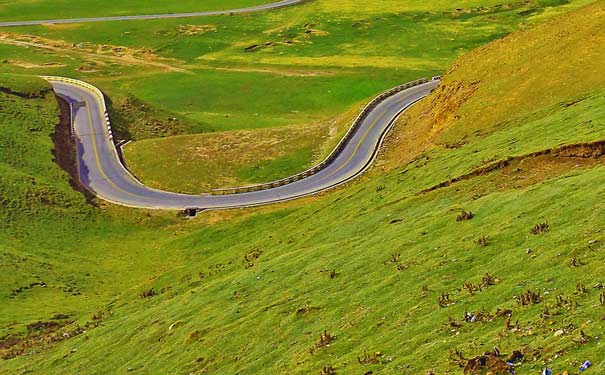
(335, 152)
(92, 89)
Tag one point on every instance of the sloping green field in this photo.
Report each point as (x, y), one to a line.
(380, 276)
(297, 69)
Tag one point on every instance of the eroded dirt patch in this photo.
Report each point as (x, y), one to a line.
(29, 65)
(99, 54)
(526, 170)
(418, 128)
(191, 30)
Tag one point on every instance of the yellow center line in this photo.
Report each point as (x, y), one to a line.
(96, 152)
(365, 135)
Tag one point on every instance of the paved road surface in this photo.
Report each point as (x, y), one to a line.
(257, 8)
(102, 172)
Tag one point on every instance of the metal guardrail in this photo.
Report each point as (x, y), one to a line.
(285, 181)
(335, 152)
(92, 89)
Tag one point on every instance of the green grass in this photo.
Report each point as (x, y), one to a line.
(254, 100)
(220, 310)
(268, 154)
(277, 168)
(36, 10)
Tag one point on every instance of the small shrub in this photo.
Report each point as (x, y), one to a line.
(98, 315)
(331, 273)
(424, 291)
(488, 280)
(444, 300)
(148, 293)
(402, 267)
(373, 358)
(471, 288)
(575, 262)
(324, 340)
(528, 298)
(566, 302)
(583, 339)
(464, 215)
(251, 257)
(540, 228)
(328, 370)
(482, 241)
(394, 258)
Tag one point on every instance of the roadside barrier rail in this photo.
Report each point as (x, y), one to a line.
(335, 152)
(285, 181)
(102, 110)
(92, 89)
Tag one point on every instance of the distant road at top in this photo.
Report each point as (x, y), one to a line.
(279, 4)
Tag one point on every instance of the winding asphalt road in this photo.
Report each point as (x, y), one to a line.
(102, 172)
(279, 4)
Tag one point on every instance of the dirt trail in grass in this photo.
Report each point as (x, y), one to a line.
(97, 53)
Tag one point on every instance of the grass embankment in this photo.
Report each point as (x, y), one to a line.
(293, 68)
(375, 277)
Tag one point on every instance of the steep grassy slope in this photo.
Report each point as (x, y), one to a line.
(376, 277)
(298, 68)
(59, 255)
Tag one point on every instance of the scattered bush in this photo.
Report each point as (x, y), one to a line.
(482, 241)
(463, 216)
(251, 257)
(328, 370)
(488, 280)
(575, 262)
(331, 273)
(325, 339)
(394, 258)
(367, 359)
(528, 298)
(471, 288)
(444, 300)
(540, 228)
(148, 293)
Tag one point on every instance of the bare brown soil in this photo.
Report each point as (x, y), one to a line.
(99, 55)
(418, 128)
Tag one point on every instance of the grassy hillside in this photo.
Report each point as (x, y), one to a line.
(383, 276)
(297, 69)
